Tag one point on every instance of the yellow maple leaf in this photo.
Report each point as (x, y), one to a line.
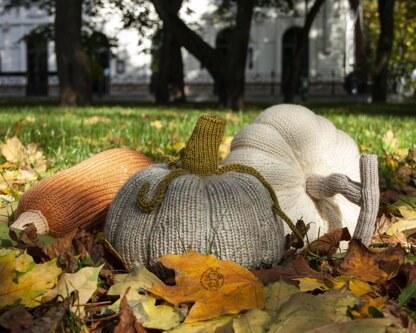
(26, 158)
(12, 150)
(217, 287)
(22, 280)
(357, 287)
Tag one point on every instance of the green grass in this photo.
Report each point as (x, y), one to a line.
(68, 136)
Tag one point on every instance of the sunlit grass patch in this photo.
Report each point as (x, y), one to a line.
(68, 136)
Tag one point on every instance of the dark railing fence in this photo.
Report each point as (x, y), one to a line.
(261, 83)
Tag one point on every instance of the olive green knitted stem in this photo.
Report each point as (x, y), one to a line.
(201, 152)
(200, 157)
(276, 207)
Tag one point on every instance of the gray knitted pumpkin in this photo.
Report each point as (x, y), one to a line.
(195, 205)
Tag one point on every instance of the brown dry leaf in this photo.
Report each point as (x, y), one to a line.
(389, 196)
(296, 268)
(397, 238)
(367, 266)
(217, 287)
(16, 319)
(328, 244)
(398, 316)
(128, 322)
(63, 244)
(384, 223)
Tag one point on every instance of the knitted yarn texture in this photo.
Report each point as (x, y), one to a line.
(288, 143)
(197, 208)
(78, 196)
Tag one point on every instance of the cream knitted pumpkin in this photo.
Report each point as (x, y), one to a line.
(78, 196)
(193, 204)
(293, 149)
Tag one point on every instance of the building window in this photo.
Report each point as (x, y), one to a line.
(250, 58)
(120, 66)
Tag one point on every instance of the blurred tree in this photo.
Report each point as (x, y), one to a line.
(227, 67)
(300, 49)
(403, 58)
(228, 71)
(384, 48)
(74, 68)
(167, 82)
(403, 54)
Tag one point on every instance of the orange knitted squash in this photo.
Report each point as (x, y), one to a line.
(79, 196)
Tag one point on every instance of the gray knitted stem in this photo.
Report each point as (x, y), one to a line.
(365, 194)
(321, 187)
(370, 199)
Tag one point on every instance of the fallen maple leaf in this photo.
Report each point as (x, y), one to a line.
(142, 305)
(296, 268)
(128, 322)
(217, 287)
(84, 282)
(407, 222)
(254, 320)
(357, 287)
(372, 267)
(328, 244)
(276, 295)
(12, 150)
(220, 324)
(24, 281)
(27, 158)
(326, 313)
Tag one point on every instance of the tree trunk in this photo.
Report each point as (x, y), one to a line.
(169, 83)
(384, 48)
(227, 71)
(74, 71)
(289, 92)
(237, 55)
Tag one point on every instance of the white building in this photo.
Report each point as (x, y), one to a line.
(30, 68)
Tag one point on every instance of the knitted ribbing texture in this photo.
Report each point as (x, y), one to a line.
(366, 195)
(80, 196)
(286, 144)
(196, 205)
(35, 217)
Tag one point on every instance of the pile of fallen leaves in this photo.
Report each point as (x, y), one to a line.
(80, 284)
(20, 167)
